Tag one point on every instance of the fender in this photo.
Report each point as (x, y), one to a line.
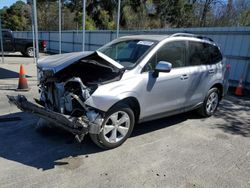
(217, 81)
(105, 102)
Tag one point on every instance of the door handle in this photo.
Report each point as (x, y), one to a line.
(211, 71)
(184, 77)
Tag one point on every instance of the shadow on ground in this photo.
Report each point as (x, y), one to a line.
(20, 142)
(5, 73)
(155, 125)
(236, 113)
(43, 150)
(14, 55)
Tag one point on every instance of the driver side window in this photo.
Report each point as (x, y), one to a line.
(172, 52)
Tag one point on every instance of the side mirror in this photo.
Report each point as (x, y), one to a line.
(162, 66)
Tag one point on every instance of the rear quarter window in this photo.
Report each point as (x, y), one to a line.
(216, 55)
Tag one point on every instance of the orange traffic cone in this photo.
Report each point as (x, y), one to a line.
(239, 88)
(22, 83)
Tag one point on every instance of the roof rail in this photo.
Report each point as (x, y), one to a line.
(191, 35)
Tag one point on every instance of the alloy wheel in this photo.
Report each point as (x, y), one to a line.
(30, 52)
(116, 127)
(212, 102)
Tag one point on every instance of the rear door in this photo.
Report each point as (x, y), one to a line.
(204, 65)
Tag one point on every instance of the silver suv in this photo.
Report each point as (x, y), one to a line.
(131, 79)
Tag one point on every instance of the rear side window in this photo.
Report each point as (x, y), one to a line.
(215, 54)
(203, 54)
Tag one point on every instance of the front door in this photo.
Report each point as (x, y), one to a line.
(165, 93)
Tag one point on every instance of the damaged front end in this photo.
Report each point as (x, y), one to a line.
(79, 126)
(63, 92)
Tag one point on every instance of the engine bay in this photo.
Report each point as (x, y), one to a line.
(67, 90)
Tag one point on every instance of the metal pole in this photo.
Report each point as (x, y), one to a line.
(118, 18)
(1, 38)
(36, 30)
(83, 23)
(60, 26)
(33, 31)
(34, 43)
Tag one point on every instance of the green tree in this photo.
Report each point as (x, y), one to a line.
(135, 14)
(176, 13)
(17, 17)
(89, 23)
(245, 18)
(100, 14)
(47, 15)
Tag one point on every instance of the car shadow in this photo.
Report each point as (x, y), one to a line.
(5, 73)
(154, 125)
(20, 142)
(14, 55)
(52, 147)
(230, 111)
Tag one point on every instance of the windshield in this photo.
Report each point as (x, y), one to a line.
(127, 52)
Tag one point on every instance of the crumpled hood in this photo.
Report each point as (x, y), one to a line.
(61, 61)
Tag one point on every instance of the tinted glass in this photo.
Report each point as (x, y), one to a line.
(203, 53)
(6, 34)
(215, 54)
(172, 52)
(128, 52)
(199, 53)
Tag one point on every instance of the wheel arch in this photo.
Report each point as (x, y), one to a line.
(219, 86)
(28, 45)
(133, 103)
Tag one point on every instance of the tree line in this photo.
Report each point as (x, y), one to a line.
(135, 14)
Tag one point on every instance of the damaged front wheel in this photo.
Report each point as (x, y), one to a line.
(116, 128)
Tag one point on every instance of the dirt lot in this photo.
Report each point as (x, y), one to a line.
(179, 151)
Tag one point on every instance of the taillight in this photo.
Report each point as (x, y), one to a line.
(44, 43)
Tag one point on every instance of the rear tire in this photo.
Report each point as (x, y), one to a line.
(210, 103)
(116, 128)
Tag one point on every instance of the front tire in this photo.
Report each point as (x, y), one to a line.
(210, 103)
(116, 128)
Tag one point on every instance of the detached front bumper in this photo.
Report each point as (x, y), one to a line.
(78, 126)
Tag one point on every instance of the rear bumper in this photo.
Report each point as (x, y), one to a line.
(76, 125)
